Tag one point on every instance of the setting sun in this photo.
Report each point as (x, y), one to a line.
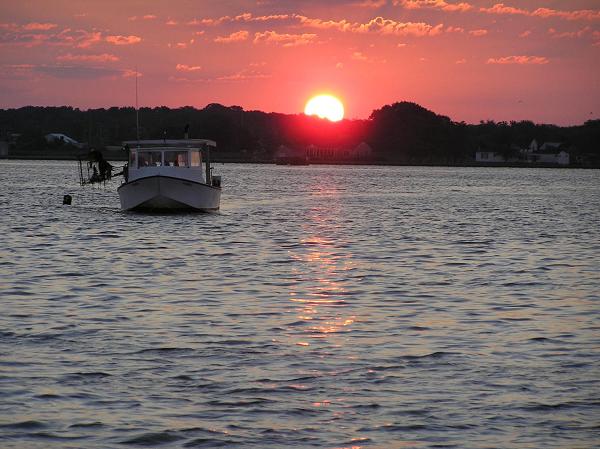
(325, 106)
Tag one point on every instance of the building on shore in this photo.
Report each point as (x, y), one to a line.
(553, 153)
(360, 153)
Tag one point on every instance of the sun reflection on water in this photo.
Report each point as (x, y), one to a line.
(319, 296)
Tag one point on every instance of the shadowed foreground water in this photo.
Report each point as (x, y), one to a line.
(323, 307)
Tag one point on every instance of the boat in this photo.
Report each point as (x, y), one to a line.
(169, 175)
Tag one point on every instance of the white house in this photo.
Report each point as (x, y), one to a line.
(548, 153)
(61, 138)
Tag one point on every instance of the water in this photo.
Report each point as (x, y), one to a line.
(323, 307)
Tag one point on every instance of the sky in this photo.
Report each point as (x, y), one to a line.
(471, 60)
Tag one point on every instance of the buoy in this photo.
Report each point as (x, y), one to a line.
(67, 200)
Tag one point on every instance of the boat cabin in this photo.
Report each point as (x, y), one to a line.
(173, 159)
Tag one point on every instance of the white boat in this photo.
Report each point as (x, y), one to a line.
(165, 175)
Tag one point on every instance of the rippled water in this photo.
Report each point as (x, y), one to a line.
(323, 307)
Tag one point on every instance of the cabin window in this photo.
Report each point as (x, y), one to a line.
(132, 155)
(196, 158)
(176, 158)
(149, 158)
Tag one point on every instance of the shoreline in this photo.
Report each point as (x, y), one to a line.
(342, 162)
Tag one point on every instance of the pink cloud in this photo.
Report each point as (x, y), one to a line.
(128, 73)
(478, 33)
(452, 29)
(519, 60)
(34, 26)
(187, 68)
(238, 36)
(145, 17)
(583, 14)
(570, 34)
(437, 4)
(104, 57)
(378, 25)
(244, 75)
(171, 22)
(501, 8)
(245, 17)
(525, 33)
(461, 61)
(371, 3)
(287, 40)
(123, 40)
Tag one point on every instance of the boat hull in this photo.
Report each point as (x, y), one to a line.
(164, 193)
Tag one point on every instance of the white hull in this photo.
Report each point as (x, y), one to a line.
(168, 193)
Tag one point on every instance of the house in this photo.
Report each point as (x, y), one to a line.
(290, 156)
(548, 153)
(488, 156)
(360, 152)
(62, 139)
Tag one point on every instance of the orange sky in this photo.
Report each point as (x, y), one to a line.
(471, 60)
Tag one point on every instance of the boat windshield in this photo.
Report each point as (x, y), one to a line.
(196, 158)
(149, 158)
(176, 158)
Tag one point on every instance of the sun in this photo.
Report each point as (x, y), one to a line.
(325, 106)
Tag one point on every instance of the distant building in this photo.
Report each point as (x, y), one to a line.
(360, 152)
(548, 153)
(290, 156)
(489, 156)
(62, 139)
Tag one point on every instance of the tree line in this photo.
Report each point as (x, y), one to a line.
(401, 132)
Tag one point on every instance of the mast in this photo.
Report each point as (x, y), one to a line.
(137, 115)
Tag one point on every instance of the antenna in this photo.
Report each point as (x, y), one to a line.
(137, 115)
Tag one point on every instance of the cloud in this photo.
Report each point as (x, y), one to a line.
(451, 29)
(171, 22)
(187, 68)
(478, 33)
(245, 17)
(244, 75)
(67, 37)
(378, 25)
(582, 14)
(501, 8)
(525, 33)
(104, 57)
(76, 71)
(123, 40)
(570, 34)
(358, 56)
(35, 26)
(238, 36)
(519, 60)
(286, 40)
(145, 17)
(370, 3)
(434, 4)
(128, 73)
(461, 61)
